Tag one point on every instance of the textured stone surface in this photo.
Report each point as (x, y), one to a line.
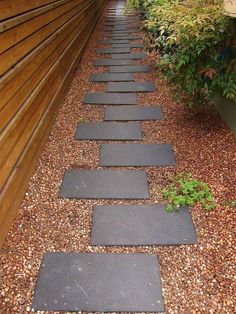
(126, 113)
(110, 99)
(131, 87)
(141, 225)
(110, 62)
(113, 41)
(111, 77)
(112, 50)
(120, 45)
(99, 283)
(129, 69)
(108, 131)
(129, 56)
(136, 155)
(104, 184)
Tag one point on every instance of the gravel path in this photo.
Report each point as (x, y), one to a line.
(196, 279)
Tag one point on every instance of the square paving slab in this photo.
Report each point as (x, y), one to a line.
(141, 225)
(129, 113)
(110, 99)
(100, 282)
(119, 45)
(112, 50)
(131, 87)
(108, 131)
(104, 184)
(110, 62)
(129, 56)
(116, 155)
(111, 77)
(129, 69)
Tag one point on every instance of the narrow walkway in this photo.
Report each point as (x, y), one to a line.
(113, 282)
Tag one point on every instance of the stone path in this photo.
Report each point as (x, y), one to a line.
(116, 282)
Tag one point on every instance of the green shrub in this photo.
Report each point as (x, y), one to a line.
(194, 41)
(183, 190)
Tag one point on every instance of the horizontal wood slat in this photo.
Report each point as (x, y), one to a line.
(36, 64)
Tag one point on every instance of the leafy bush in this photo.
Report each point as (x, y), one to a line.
(184, 190)
(194, 41)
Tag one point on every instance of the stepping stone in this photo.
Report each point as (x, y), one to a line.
(129, 69)
(110, 62)
(119, 45)
(111, 77)
(119, 34)
(141, 225)
(123, 155)
(112, 50)
(126, 56)
(110, 99)
(122, 37)
(130, 87)
(122, 29)
(108, 131)
(101, 282)
(105, 184)
(112, 41)
(129, 113)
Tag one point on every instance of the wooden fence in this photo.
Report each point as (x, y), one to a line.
(41, 43)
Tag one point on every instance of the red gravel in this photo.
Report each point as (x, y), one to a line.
(196, 279)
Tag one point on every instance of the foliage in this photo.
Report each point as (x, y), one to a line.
(194, 40)
(185, 190)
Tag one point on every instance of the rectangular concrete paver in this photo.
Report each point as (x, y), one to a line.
(141, 225)
(108, 131)
(120, 45)
(130, 87)
(120, 155)
(73, 282)
(125, 56)
(129, 113)
(111, 77)
(104, 184)
(112, 50)
(129, 69)
(110, 62)
(110, 99)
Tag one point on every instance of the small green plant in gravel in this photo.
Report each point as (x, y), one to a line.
(185, 190)
(81, 120)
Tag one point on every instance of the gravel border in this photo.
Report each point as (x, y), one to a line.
(196, 279)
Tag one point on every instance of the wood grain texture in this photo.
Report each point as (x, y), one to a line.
(43, 42)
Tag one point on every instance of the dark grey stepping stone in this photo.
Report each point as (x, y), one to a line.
(129, 113)
(110, 62)
(130, 87)
(104, 184)
(98, 282)
(110, 99)
(129, 69)
(134, 155)
(112, 41)
(122, 37)
(122, 29)
(125, 56)
(112, 50)
(108, 131)
(111, 77)
(141, 225)
(119, 34)
(119, 45)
